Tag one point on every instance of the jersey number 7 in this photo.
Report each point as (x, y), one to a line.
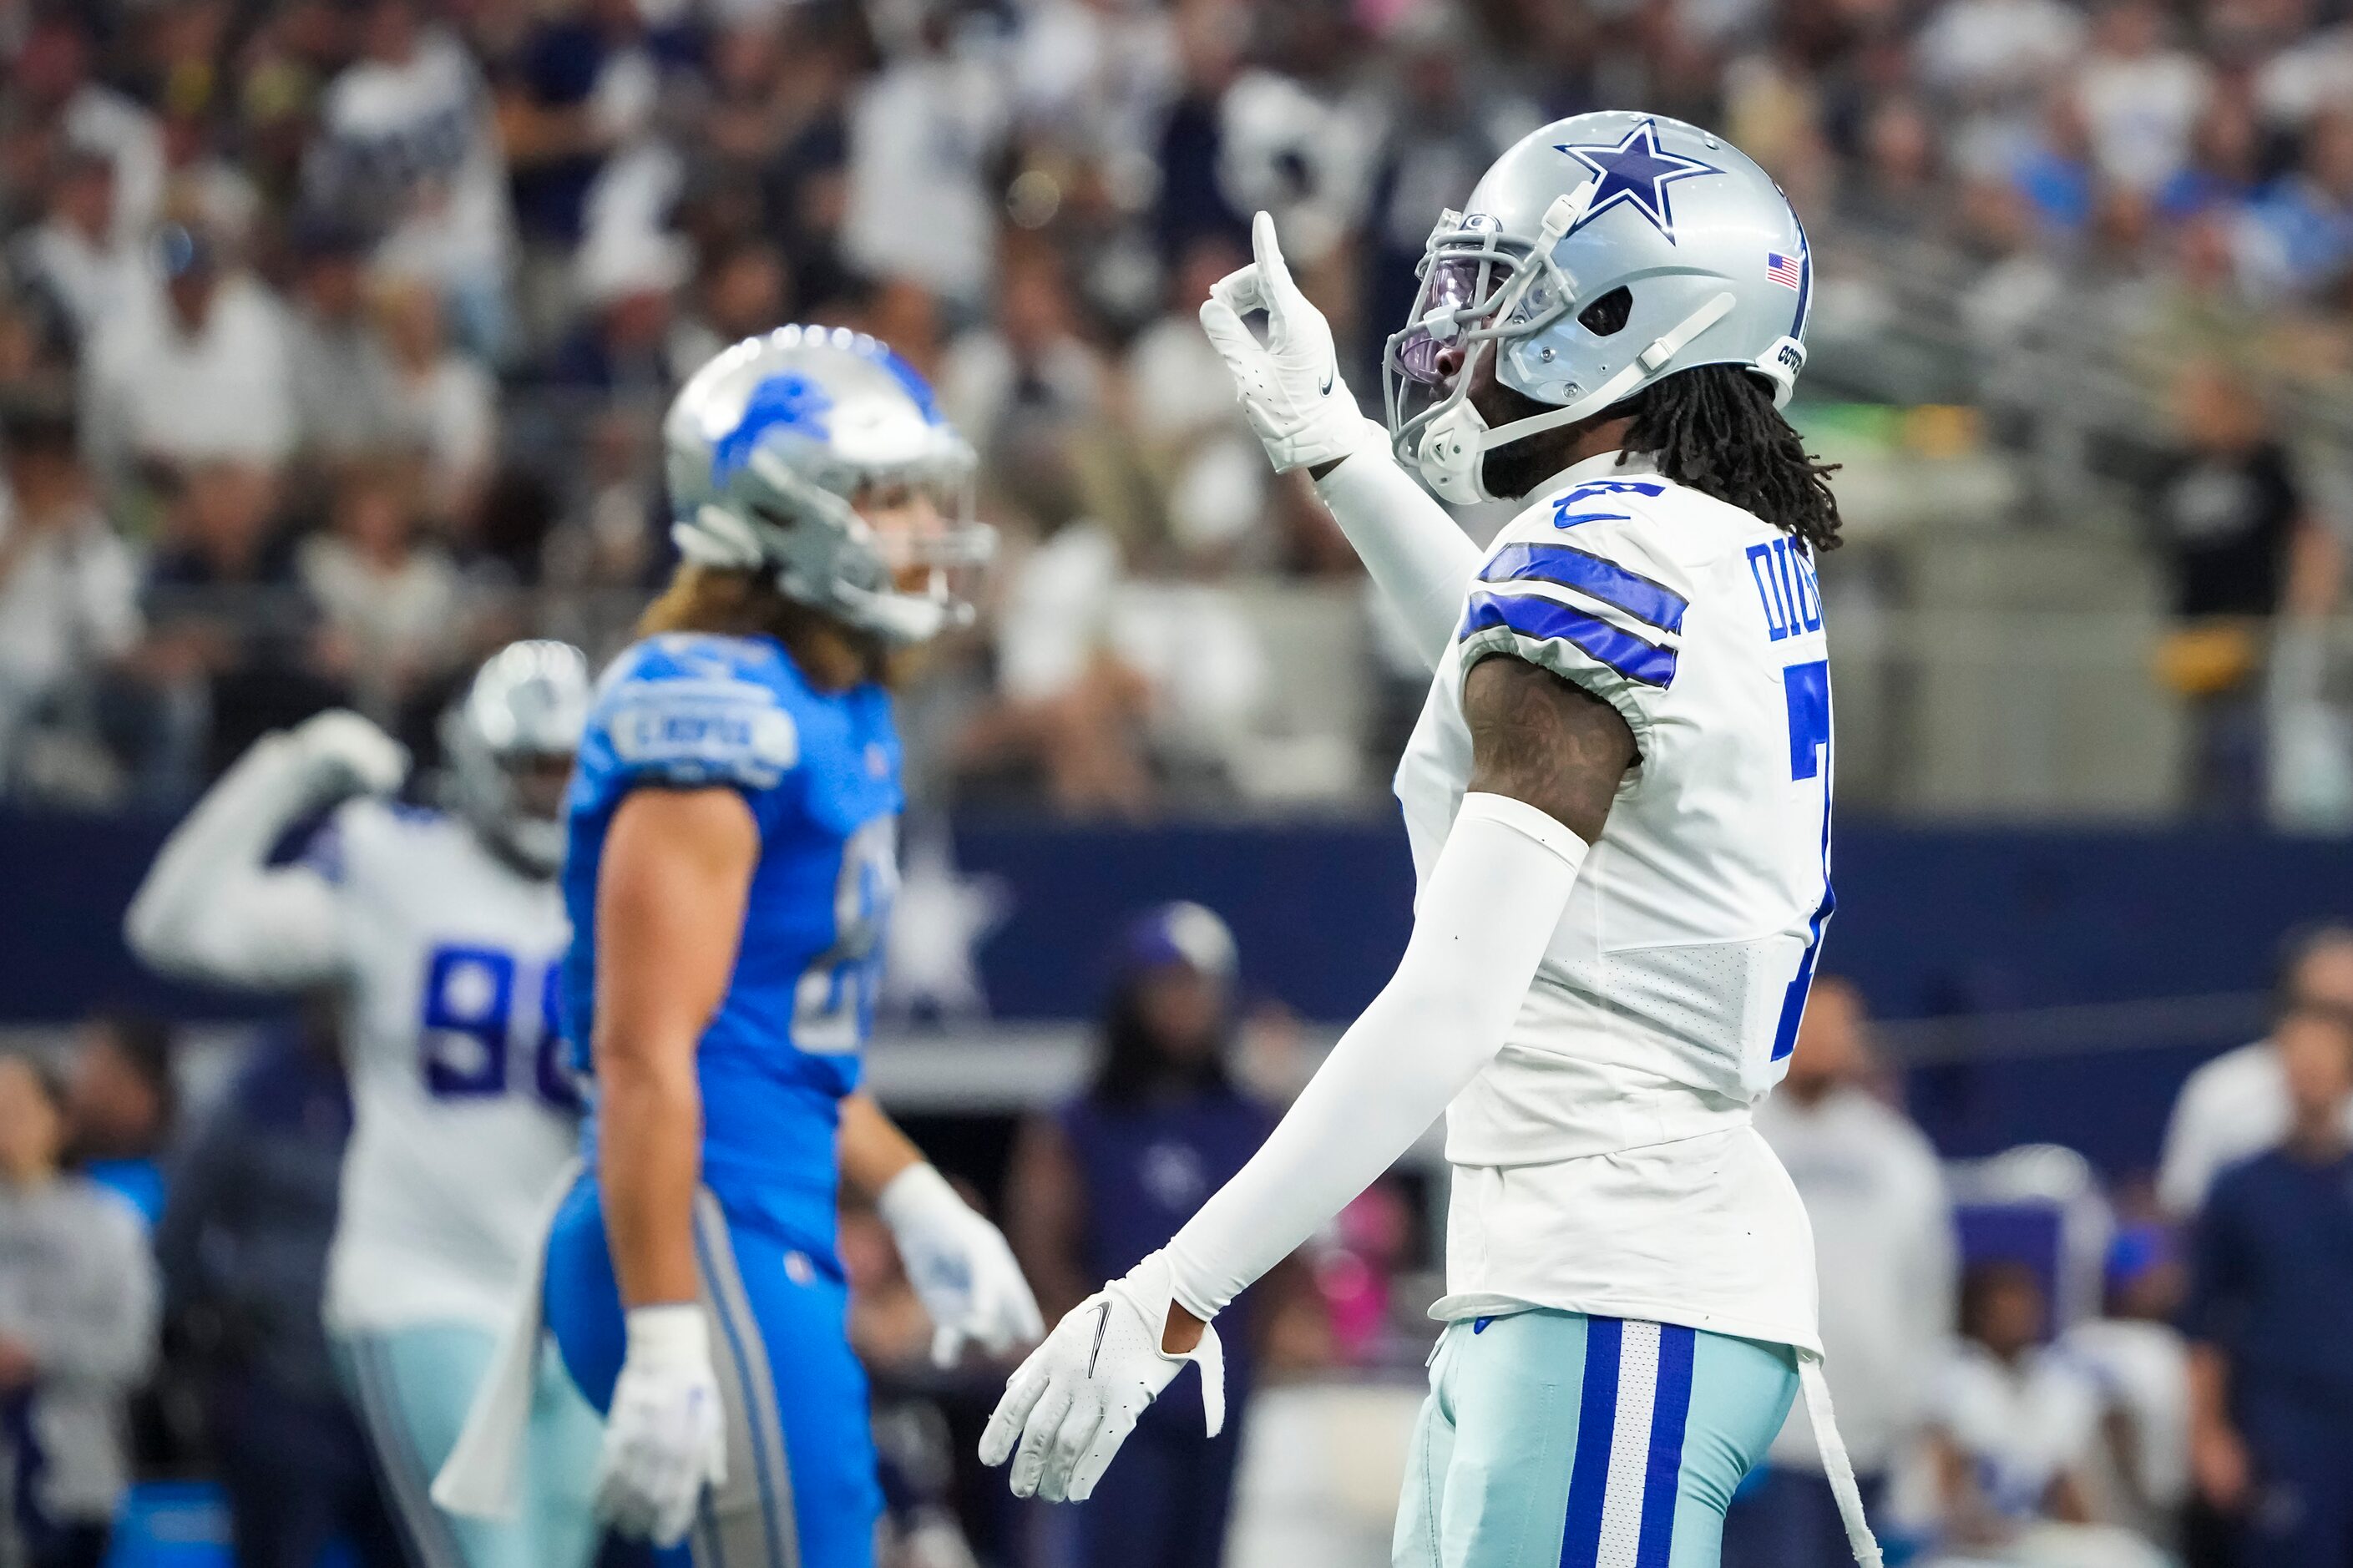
(1806, 690)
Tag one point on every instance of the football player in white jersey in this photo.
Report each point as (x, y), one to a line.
(443, 934)
(1617, 799)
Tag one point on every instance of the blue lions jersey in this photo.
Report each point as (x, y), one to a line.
(820, 772)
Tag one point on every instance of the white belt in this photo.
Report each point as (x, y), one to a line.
(478, 1479)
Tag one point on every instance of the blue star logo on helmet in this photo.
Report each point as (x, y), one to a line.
(787, 402)
(1635, 172)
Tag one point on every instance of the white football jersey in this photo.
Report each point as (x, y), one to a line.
(1605, 1158)
(465, 1109)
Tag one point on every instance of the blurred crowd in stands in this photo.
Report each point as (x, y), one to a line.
(334, 331)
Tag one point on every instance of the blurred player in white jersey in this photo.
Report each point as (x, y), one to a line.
(442, 934)
(1619, 802)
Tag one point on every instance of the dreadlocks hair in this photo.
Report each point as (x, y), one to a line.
(1714, 428)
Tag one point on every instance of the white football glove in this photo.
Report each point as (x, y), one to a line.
(1290, 386)
(666, 1435)
(345, 754)
(1074, 1401)
(960, 1267)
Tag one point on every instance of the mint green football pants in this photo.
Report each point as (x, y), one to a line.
(411, 1389)
(1555, 1440)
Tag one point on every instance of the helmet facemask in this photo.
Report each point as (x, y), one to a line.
(522, 716)
(532, 837)
(900, 586)
(774, 448)
(1483, 290)
(1478, 288)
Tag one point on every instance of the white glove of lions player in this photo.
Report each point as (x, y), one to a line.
(666, 1435)
(1290, 386)
(343, 755)
(1071, 1404)
(962, 1270)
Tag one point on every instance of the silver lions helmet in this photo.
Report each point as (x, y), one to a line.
(507, 745)
(1601, 254)
(770, 445)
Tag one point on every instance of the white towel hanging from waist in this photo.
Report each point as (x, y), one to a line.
(478, 1479)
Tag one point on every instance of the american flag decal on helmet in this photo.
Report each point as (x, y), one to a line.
(1782, 269)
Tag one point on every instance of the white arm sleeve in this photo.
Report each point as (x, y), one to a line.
(1421, 562)
(1481, 924)
(212, 908)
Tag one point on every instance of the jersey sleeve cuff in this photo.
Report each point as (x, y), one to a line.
(1630, 697)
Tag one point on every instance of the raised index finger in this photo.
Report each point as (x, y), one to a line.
(1273, 273)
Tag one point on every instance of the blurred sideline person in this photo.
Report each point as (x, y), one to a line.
(1884, 1250)
(443, 934)
(1096, 1187)
(2271, 1298)
(2236, 1106)
(243, 1244)
(731, 866)
(122, 1103)
(2018, 1432)
(2137, 1353)
(1636, 674)
(77, 1332)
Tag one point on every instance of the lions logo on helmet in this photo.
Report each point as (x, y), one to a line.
(1601, 254)
(526, 708)
(769, 447)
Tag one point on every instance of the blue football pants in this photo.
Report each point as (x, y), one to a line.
(801, 1488)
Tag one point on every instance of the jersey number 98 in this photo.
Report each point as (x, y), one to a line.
(473, 1041)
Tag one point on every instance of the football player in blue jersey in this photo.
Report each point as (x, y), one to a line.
(730, 873)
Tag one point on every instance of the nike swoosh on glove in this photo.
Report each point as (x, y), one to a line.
(1290, 386)
(665, 1436)
(962, 1270)
(1068, 1408)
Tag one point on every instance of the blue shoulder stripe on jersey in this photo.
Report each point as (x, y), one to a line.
(1549, 620)
(1613, 585)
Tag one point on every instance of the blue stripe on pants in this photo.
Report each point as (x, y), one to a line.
(1554, 1437)
(1663, 1474)
(1588, 1483)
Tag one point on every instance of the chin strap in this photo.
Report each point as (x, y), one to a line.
(1454, 446)
(1837, 1469)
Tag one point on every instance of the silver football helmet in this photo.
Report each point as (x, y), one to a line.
(527, 706)
(769, 445)
(1601, 254)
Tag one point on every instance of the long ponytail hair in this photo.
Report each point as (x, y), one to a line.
(1714, 428)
